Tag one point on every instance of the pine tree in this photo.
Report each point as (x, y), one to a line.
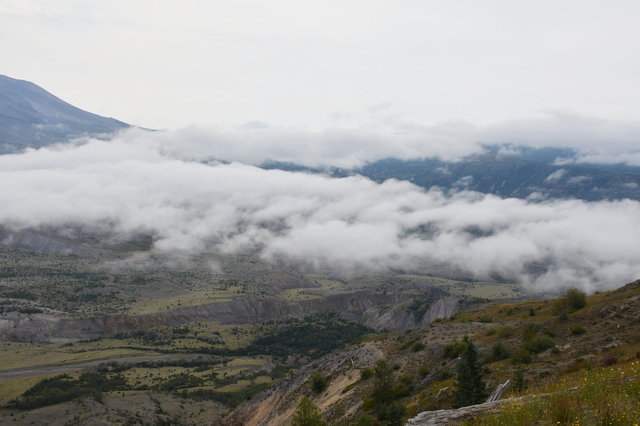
(470, 388)
(519, 381)
(383, 397)
(307, 414)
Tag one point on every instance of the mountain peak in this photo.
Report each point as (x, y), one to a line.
(31, 117)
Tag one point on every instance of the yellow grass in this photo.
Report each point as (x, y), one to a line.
(607, 395)
(238, 362)
(12, 388)
(295, 294)
(195, 298)
(17, 355)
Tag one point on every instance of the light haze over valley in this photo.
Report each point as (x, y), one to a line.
(222, 205)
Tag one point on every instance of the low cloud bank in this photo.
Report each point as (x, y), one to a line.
(131, 186)
(594, 140)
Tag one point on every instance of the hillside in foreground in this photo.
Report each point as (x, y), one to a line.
(585, 363)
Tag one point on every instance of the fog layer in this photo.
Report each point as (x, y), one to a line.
(352, 145)
(135, 184)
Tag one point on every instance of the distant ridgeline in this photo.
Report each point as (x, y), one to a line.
(31, 117)
(526, 173)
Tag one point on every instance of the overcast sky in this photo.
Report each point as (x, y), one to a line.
(166, 64)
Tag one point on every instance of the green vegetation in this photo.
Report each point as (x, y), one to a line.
(417, 347)
(220, 374)
(539, 344)
(499, 351)
(366, 374)
(383, 398)
(313, 336)
(521, 356)
(519, 380)
(578, 330)
(307, 414)
(181, 381)
(454, 349)
(503, 332)
(64, 388)
(603, 396)
(470, 388)
(318, 381)
(230, 399)
(572, 301)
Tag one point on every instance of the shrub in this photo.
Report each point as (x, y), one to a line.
(417, 347)
(522, 355)
(505, 332)
(533, 327)
(407, 344)
(405, 386)
(530, 331)
(307, 414)
(576, 365)
(539, 344)
(318, 381)
(578, 330)
(572, 301)
(606, 362)
(366, 374)
(180, 381)
(366, 420)
(454, 349)
(499, 352)
(445, 374)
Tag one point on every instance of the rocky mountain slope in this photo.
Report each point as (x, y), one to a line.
(513, 176)
(31, 117)
(526, 173)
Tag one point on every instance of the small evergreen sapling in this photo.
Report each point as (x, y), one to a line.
(470, 388)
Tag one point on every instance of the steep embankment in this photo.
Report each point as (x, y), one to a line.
(378, 311)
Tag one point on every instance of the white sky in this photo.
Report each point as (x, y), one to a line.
(166, 64)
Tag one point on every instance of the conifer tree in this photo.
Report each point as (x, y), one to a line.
(470, 388)
(519, 381)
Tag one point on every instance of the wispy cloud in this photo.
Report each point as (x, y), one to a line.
(592, 139)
